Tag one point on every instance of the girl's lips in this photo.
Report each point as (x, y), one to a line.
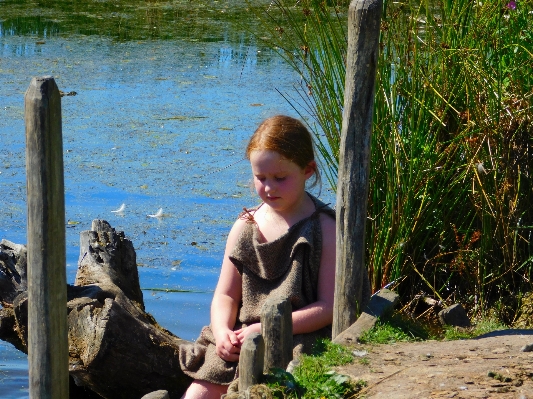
(273, 198)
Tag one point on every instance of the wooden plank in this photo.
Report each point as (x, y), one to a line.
(276, 327)
(47, 283)
(379, 304)
(352, 189)
(251, 361)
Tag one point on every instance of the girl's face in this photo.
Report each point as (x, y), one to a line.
(279, 182)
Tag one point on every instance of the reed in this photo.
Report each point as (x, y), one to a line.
(451, 160)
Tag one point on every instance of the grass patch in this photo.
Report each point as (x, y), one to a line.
(399, 328)
(395, 328)
(364, 361)
(331, 354)
(313, 378)
(480, 328)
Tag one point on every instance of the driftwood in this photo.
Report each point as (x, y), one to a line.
(116, 349)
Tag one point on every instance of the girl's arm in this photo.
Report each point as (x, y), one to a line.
(226, 301)
(320, 313)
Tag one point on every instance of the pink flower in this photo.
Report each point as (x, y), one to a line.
(511, 5)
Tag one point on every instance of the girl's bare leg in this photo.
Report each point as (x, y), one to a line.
(204, 390)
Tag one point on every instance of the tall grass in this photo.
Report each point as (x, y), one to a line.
(450, 180)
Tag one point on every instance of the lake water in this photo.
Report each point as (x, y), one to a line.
(163, 111)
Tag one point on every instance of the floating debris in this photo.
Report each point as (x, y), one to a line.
(121, 209)
(158, 214)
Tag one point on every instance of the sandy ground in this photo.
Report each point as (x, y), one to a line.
(490, 366)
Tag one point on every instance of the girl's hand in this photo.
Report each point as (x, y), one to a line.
(228, 346)
(242, 333)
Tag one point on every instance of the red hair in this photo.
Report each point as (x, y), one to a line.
(288, 137)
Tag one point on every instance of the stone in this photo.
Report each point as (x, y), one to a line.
(454, 315)
(161, 394)
(527, 348)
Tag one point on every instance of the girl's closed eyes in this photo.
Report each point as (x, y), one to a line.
(278, 179)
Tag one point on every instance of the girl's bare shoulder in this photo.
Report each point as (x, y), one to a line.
(327, 221)
(239, 225)
(329, 230)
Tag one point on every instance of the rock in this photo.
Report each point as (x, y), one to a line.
(292, 365)
(161, 394)
(527, 348)
(454, 315)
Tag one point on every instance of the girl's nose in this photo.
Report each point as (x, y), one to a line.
(269, 186)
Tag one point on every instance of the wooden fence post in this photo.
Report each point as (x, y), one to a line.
(276, 327)
(251, 360)
(47, 285)
(364, 20)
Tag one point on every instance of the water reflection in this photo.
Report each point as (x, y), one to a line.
(33, 26)
(206, 21)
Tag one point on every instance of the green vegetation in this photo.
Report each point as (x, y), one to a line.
(395, 328)
(479, 328)
(313, 378)
(199, 21)
(399, 328)
(451, 165)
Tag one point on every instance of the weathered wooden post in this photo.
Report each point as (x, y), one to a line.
(364, 20)
(47, 284)
(251, 361)
(276, 328)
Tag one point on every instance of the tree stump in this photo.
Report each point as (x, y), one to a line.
(116, 349)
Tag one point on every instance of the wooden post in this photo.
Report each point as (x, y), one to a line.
(251, 360)
(47, 283)
(276, 327)
(364, 19)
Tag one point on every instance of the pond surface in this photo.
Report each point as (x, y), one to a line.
(167, 95)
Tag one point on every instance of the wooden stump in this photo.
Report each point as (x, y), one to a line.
(251, 361)
(276, 327)
(13, 264)
(115, 348)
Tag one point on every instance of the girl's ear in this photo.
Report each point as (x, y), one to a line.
(310, 169)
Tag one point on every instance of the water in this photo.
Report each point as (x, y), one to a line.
(163, 111)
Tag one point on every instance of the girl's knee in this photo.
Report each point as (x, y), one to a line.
(204, 390)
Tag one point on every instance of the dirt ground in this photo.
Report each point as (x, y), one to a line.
(490, 366)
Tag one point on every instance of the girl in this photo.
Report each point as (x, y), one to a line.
(283, 247)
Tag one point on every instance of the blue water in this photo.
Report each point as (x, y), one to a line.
(154, 124)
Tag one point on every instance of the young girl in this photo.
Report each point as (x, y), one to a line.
(283, 247)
